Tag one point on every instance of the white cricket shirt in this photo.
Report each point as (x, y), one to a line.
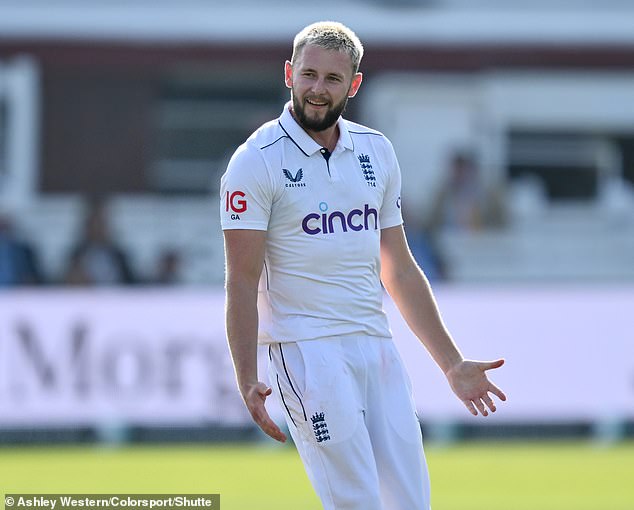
(323, 219)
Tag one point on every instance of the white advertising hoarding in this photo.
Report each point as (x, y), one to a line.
(569, 351)
(143, 357)
(159, 356)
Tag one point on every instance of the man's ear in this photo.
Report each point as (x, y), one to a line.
(288, 74)
(356, 83)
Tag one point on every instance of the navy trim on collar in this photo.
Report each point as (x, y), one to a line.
(292, 139)
(273, 143)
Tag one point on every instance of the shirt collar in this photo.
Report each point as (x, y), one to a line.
(303, 140)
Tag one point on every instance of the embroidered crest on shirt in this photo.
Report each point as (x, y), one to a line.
(320, 427)
(295, 180)
(366, 168)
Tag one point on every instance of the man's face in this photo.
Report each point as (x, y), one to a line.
(321, 81)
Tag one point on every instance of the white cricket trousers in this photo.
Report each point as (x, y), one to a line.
(349, 408)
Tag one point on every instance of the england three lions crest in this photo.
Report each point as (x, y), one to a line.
(320, 428)
(366, 168)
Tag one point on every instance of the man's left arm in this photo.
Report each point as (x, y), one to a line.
(409, 288)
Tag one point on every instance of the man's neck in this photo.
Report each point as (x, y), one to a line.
(327, 138)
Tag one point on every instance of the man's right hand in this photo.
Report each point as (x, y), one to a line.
(254, 397)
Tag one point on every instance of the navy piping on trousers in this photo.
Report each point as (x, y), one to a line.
(279, 387)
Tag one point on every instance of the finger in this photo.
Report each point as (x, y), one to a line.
(480, 406)
(260, 416)
(469, 405)
(272, 430)
(489, 402)
(268, 426)
(489, 365)
(497, 391)
(264, 392)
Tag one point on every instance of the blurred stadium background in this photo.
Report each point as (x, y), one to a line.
(514, 125)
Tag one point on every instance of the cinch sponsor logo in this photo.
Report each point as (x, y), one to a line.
(235, 202)
(329, 223)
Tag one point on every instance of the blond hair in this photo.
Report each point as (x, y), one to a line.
(330, 35)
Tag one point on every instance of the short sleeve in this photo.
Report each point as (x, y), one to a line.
(245, 192)
(390, 215)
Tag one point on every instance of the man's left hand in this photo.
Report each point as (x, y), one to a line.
(469, 382)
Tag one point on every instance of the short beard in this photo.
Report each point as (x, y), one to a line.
(329, 120)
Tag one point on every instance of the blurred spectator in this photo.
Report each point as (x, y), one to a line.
(168, 268)
(97, 259)
(422, 243)
(18, 260)
(463, 203)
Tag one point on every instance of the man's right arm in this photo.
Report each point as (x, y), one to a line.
(244, 255)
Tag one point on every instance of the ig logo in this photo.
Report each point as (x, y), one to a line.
(235, 202)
